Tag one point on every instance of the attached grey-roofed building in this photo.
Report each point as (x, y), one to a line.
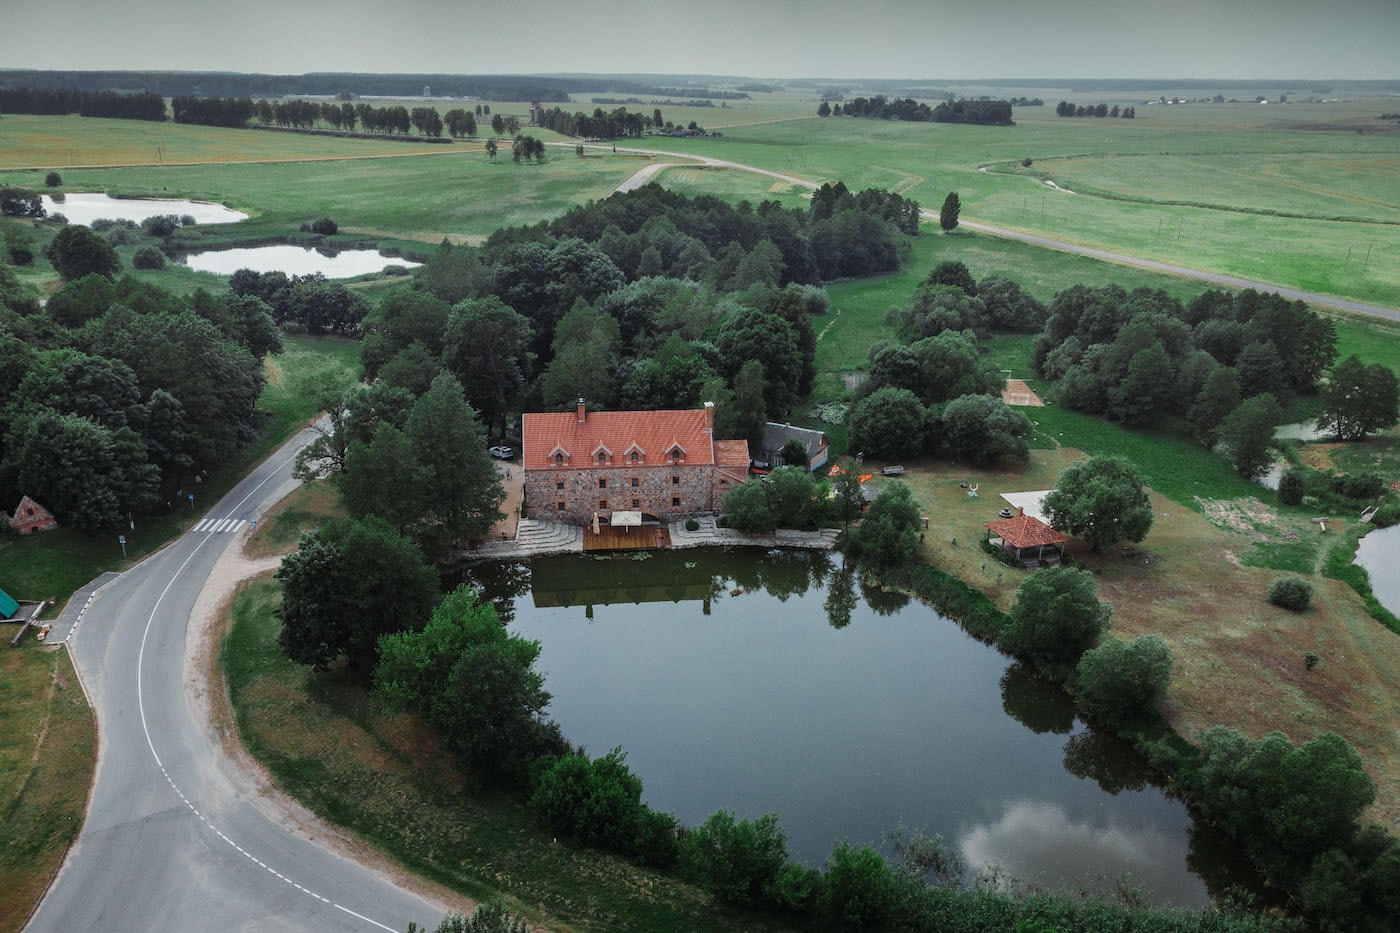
(776, 435)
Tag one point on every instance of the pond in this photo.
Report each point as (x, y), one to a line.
(1379, 554)
(85, 208)
(768, 681)
(293, 260)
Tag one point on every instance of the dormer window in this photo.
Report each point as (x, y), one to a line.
(634, 455)
(675, 453)
(558, 459)
(559, 456)
(602, 457)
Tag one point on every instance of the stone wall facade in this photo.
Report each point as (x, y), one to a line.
(667, 491)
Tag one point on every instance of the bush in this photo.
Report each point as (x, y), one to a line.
(53, 180)
(860, 887)
(1359, 485)
(21, 255)
(738, 862)
(1292, 485)
(325, 226)
(1291, 593)
(1386, 515)
(692, 525)
(161, 225)
(594, 802)
(148, 257)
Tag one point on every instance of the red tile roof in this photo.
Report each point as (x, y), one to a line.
(1025, 531)
(733, 454)
(655, 432)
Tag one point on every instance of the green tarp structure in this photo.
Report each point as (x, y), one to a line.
(8, 605)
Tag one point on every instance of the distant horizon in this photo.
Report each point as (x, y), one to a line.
(762, 39)
(1001, 81)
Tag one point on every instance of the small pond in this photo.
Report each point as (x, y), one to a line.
(85, 208)
(1300, 431)
(293, 260)
(1379, 553)
(768, 681)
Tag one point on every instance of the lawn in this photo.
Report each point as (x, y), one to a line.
(1203, 174)
(48, 747)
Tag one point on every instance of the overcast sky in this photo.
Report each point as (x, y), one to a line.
(758, 38)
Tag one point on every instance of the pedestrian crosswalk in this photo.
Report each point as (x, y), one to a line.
(217, 525)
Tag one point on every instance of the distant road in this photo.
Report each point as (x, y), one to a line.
(648, 173)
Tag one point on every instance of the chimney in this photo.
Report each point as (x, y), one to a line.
(582, 411)
(710, 417)
(1020, 511)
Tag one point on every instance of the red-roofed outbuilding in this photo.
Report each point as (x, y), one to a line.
(665, 464)
(1029, 539)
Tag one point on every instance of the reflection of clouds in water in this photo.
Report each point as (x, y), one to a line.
(1036, 843)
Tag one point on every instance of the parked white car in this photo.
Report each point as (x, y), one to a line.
(503, 453)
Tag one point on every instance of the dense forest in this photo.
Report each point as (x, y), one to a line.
(118, 394)
(143, 105)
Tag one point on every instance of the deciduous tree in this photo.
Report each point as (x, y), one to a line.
(948, 214)
(1056, 617)
(1101, 500)
(348, 584)
(1117, 682)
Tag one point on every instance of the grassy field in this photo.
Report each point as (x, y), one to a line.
(1203, 172)
(53, 565)
(48, 746)
(41, 144)
(384, 779)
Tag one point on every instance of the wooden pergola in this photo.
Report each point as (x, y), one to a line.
(1031, 541)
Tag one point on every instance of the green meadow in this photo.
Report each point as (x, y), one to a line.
(1201, 178)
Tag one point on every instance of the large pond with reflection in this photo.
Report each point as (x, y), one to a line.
(757, 682)
(293, 260)
(85, 208)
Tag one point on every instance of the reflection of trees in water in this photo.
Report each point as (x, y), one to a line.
(841, 597)
(1107, 760)
(1036, 701)
(784, 574)
(1225, 869)
(884, 602)
(502, 582)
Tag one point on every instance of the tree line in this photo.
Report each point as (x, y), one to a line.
(139, 105)
(1065, 109)
(981, 111)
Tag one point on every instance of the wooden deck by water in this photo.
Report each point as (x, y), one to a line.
(640, 538)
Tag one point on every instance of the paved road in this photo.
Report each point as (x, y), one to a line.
(646, 174)
(175, 837)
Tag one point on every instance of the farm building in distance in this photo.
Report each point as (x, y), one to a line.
(662, 464)
(776, 436)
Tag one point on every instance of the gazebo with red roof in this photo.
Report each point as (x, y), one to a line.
(1031, 541)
